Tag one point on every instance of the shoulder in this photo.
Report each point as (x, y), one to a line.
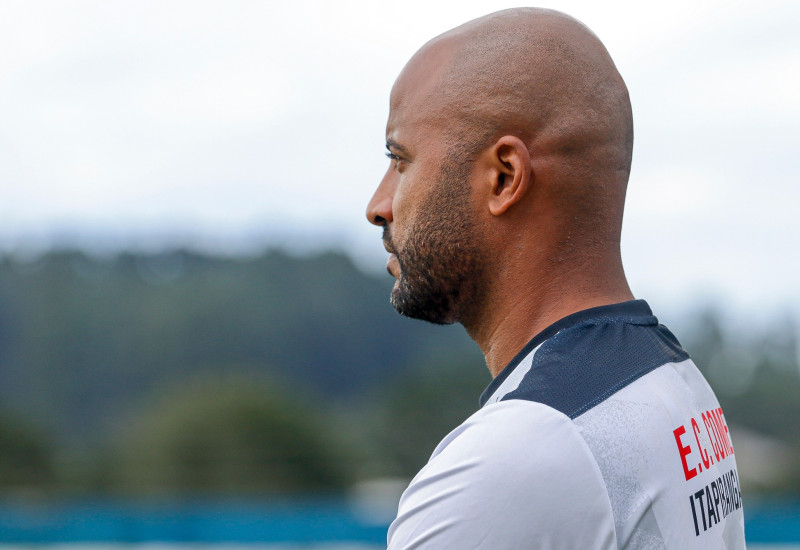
(512, 433)
(515, 474)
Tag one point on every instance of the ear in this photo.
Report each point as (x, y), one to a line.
(509, 164)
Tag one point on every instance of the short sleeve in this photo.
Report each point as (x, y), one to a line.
(516, 475)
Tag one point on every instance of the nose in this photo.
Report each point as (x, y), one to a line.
(379, 209)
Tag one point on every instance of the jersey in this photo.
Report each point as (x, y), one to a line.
(601, 433)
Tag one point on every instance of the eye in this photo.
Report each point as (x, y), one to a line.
(397, 161)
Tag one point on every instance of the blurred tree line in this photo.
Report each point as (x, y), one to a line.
(178, 372)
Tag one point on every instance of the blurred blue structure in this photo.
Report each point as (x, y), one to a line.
(773, 521)
(182, 521)
(309, 522)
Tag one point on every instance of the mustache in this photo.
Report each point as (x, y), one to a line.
(387, 240)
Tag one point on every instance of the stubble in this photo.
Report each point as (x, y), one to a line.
(441, 260)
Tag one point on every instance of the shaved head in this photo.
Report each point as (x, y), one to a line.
(544, 77)
(538, 73)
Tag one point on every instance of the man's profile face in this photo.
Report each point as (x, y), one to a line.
(424, 205)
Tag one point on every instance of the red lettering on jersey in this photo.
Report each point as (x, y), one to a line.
(683, 451)
(728, 441)
(723, 447)
(703, 452)
(710, 437)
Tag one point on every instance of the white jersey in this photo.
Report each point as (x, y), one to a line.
(600, 434)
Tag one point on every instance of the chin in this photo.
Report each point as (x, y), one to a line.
(423, 306)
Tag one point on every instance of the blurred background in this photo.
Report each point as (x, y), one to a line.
(196, 343)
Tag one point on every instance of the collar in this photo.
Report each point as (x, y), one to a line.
(637, 311)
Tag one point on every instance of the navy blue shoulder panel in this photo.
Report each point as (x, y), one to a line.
(595, 354)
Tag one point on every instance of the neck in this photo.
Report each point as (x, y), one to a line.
(526, 300)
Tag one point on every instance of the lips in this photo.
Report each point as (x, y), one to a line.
(392, 265)
(387, 240)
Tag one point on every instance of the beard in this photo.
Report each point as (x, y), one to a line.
(441, 260)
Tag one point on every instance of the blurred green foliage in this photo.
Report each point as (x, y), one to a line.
(423, 405)
(227, 435)
(178, 372)
(25, 455)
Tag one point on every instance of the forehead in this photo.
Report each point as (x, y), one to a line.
(416, 100)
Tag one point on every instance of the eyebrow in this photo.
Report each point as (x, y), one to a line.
(392, 144)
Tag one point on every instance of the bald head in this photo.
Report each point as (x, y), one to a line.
(546, 78)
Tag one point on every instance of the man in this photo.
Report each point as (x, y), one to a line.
(510, 141)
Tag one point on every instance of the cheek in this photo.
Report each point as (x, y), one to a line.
(414, 187)
(404, 209)
(401, 201)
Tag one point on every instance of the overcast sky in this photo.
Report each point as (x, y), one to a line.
(228, 124)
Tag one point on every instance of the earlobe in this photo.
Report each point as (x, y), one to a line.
(510, 169)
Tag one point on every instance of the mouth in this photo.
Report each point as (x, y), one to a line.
(387, 240)
(393, 266)
(388, 246)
